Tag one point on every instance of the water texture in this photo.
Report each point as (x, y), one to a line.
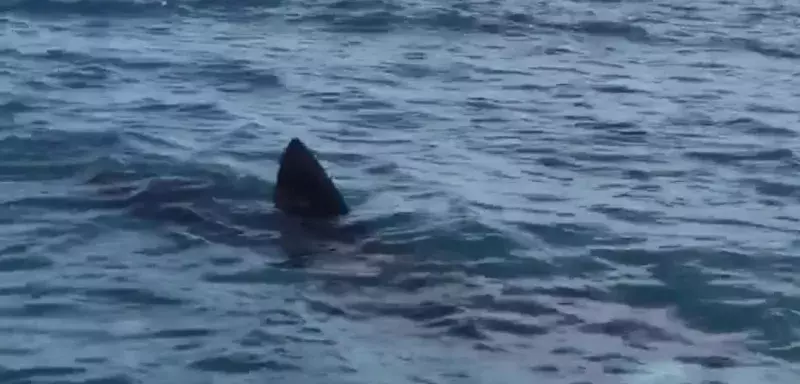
(547, 192)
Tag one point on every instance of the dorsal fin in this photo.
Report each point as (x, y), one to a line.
(303, 187)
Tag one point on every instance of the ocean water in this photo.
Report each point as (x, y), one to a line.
(563, 192)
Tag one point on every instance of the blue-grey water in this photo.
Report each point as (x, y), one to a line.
(544, 191)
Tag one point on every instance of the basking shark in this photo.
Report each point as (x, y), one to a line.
(200, 203)
(311, 203)
(303, 188)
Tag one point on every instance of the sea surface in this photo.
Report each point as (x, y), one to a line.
(555, 192)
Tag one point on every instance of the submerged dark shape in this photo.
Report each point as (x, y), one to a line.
(215, 205)
(303, 188)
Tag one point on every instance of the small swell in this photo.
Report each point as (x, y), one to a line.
(616, 89)
(69, 57)
(765, 49)
(384, 17)
(13, 107)
(233, 75)
(347, 16)
(113, 8)
(630, 215)
(39, 372)
(24, 263)
(567, 234)
(39, 310)
(240, 362)
(612, 28)
(725, 158)
(207, 110)
(513, 304)
(424, 312)
(629, 330)
(85, 76)
(776, 188)
(68, 153)
(140, 296)
(711, 362)
(180, 333)
(759, 128)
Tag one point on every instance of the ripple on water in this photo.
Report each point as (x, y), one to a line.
(560, 191)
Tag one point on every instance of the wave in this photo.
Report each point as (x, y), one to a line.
(480, 17)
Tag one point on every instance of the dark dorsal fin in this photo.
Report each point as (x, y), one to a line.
(303, 188)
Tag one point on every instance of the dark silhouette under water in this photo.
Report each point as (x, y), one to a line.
(306, 219)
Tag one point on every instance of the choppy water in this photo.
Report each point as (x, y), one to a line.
(553, 192)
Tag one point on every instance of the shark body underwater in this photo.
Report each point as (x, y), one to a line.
(306, 219)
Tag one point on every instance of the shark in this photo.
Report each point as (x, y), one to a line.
(308, 214)
(303, 188)
(311, 201)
